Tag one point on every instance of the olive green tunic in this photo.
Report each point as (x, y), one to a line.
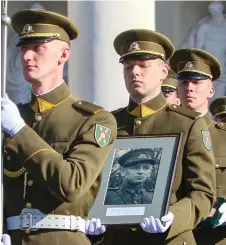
(217, 131)
(63, 161)
(193, 192)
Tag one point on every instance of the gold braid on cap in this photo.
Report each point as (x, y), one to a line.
(40, 35)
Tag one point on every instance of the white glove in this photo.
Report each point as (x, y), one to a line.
(12, 122)
(5, 240)
(94, 227)
(222, 210)
(153, 225)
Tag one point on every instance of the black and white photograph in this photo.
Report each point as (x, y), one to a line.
(133, 176)
(137, 179)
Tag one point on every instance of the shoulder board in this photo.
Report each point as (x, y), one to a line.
(184, 111)
(118, 110)
(87, 106)
(221, 125)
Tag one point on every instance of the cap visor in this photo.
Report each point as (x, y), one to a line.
(192, 75)
(139, 56)
(34, 40)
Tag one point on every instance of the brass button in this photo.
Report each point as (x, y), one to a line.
(79, 102)
(38, 118)
(27, 232)
(184, 243)
(8, 158)
(217, 165)
(28, 205)
(30, 182)
(138, 123)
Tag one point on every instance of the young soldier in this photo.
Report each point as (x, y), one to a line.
(56, 146)
(169, 88)
(218, 109)
(143, 54)
(196, 70)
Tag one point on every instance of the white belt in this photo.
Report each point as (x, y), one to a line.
(33, 219)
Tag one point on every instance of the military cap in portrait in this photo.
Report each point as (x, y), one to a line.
(136, 156)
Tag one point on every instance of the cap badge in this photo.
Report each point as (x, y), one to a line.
(27, 29)
(134, 46)
(142, 156)
(188, 65)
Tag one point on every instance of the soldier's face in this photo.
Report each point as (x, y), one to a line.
(41, 60)
(172, 97)
(194, 94)
(143, 77)
(137, 173)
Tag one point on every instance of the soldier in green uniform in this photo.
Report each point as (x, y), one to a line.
(137, 167)
(218, 109)
(56, 146)
(169, 88)
(143, 54)
(196, 70)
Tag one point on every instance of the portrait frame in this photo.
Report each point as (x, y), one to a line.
(162, 176)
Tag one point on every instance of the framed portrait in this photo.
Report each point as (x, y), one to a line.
(137, 179)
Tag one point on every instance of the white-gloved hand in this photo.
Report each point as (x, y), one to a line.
(11, 121)
(153, 225)
(94, 227)
(5, 240)
(222, 210)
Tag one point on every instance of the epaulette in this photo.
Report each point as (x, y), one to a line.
(221, 125)
(184, 111)
(87, 106)
(117, 110)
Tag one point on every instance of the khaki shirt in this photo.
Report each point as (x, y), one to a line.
(217, 131)
(193, 192)
(54, 163)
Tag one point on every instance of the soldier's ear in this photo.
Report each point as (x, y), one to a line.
(165, 70)
(211, 91)
(65, 52)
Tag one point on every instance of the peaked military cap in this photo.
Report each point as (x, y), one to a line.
(170, 83)
(194, 63)
(33, 26)
(218, 106)
(136, 156)
(142, 43)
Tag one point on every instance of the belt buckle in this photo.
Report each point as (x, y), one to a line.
(30, 220)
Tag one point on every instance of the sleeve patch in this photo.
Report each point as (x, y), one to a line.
(102, 135)
(206, 139)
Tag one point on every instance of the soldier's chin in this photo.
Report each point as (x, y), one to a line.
(29, 78)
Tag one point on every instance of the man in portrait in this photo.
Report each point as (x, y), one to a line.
(137, 166)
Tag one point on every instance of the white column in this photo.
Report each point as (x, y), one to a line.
(94, 71)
